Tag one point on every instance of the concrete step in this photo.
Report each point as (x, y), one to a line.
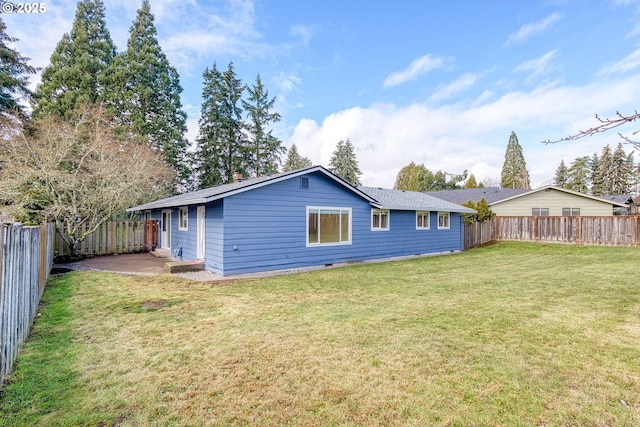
(182, 266)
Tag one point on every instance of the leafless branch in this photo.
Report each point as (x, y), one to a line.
(605, 125)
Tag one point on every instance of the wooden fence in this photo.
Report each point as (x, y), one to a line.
(112, 238)
(577, 230)
(26, 258)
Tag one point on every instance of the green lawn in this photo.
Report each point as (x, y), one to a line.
(511, 334)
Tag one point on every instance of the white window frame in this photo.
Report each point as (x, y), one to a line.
(147, 215)
(572, 211)
(379, 213)
(540, 211)
(426, 215)
(317, 210)
(183, 218)
(446, 215)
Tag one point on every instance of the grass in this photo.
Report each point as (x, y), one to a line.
(511, 334)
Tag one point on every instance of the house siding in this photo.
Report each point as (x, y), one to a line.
(265, 229)
(554, 200)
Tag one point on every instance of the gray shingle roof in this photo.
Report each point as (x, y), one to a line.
(221, 191)
(383, 198)
(411, 200)
(490, 194)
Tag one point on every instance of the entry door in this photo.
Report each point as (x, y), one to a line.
(166, 230)
(200, 232)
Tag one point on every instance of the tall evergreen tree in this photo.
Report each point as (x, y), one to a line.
(143, 91)
(621, 171)
(264, 149)
(578, 175)
(14, 75)
(73, 75)
(597, 186)
(295, 161)
(604, 172)
(221, 146)
(471, 182)
(514, 169)
(343, 163)
(560, 179)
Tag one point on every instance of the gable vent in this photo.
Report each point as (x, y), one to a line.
(304, 182)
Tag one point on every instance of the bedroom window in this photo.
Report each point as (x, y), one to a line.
(422, 220)
(443, 220)
(570, 211)
(540, 211)
(328, 226)
(183, 219)
(379, 220)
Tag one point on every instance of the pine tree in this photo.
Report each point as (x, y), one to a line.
(578, 175)
(597, 186)
(265, 150)
(344, 164)
(14, 75)
(604, 172)
(143, 90)
(295, 161)
(621, 171)
(561, 177)
(471, 182)
(221, 147)
(72, 79)
(514, 169)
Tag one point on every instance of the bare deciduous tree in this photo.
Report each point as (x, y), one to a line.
(78, 174)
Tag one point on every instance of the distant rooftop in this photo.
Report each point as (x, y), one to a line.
(490, 194)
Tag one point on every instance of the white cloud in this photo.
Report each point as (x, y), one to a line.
(460, 84)
(304, 32)
(418, 67)
(537, 66)
(628, 63)
(457, 137)
(529, 30)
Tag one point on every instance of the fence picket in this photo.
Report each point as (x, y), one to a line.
(26, 258)
(602, 231)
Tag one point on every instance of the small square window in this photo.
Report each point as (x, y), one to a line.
(379, 220)
(422, 220)
(443, 220)
(183, 219)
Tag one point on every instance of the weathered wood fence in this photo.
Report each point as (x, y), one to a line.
(26, 259)
(111, 238)
(577, 230)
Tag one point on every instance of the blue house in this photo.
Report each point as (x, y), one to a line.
(302, 218)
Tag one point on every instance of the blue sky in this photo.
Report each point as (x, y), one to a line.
(436, 82)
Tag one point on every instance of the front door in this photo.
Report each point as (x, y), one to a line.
(166, 230)
(200, 232)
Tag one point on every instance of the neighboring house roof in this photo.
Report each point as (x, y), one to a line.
(378, 197)
(489, 194)
(563, 190)
(221, 191)
(622, 198)
(411, 200)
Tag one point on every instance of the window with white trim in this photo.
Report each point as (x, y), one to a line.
(443, 220)
(328, 226)
(570, 211)
(379, 220)
(183, 219)
(540, 211)
(423, 219)
(147, 215)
